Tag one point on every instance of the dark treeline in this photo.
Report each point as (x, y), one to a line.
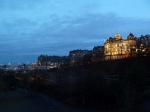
(120, 84)
(107, 85)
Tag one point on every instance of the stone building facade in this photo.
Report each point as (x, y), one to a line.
(118, 48)
(76, 56)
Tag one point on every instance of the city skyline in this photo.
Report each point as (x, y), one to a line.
(33, 27)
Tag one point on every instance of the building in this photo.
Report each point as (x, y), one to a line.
(98, 53)
(143, 45)
(52, 61)
(42, 60)
(76, 56)
(118, 48)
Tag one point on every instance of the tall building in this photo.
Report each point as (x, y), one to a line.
(118, 48)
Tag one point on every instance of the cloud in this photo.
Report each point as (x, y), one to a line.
(17, 26)
(54, 28)
(77, 32)
(18, 5)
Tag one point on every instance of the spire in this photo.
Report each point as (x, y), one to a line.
(117, 36)
(117, 32)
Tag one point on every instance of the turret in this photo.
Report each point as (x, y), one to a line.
(130, 37)
(118, 36)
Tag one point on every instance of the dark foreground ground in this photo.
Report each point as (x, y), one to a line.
(21, 100)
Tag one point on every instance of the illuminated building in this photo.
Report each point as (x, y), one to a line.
(118, 48)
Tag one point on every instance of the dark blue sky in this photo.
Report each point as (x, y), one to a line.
(29, 28)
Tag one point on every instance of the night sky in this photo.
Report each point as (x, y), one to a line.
(29, 28)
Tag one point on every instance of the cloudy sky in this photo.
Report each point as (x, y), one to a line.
(29, 28)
